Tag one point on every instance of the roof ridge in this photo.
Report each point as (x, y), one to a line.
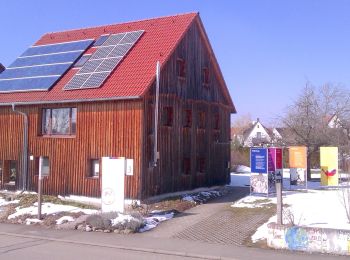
(111, 24)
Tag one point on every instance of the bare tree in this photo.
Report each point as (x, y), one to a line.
(306, 120)
(238, 126)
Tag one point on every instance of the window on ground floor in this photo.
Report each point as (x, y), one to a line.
(186, 166)
(44, 166)
(201, 164)
(13, 170)
(94, 169)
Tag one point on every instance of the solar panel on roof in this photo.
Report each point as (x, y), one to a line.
(101, 40)
(68, 57)
(83, 59)
(39, 67)
(106, 58)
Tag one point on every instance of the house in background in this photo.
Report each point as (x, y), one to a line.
(76, 96)
(256, 135)
(333, 121)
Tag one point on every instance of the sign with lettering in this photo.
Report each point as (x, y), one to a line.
(258, 160)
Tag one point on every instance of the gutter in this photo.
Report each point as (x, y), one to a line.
(68, 101)
(25, 148)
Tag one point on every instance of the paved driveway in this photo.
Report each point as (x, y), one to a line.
(214, 222)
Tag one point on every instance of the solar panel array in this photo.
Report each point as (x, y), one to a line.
(40, 66)
(105, 59)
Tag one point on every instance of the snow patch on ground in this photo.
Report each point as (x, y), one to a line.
(201, 197)
(3, 202)
(242, 169)
(153, 221)
(49, 208)
(253, 202)
(122, 219)
(64, 219)
(30, 221)
(313, 208)
(261, 232)
(318, 206)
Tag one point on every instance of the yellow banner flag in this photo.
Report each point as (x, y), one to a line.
(329, 166)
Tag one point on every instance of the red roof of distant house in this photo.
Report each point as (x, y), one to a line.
(133, 76)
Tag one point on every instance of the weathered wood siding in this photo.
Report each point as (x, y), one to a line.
(103, 129)
(207, 147)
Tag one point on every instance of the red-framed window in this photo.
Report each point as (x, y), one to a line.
(201, 120)
(59, 121)
(187, 166)
(187, 118)
(205, 76)
(181, 68)
(216, 123)
(201, 164)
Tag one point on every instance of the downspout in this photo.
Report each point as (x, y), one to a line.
(156, 109)
(25, 148)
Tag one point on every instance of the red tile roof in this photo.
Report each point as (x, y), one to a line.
(133, 76)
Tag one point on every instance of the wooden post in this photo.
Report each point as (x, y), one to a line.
(39, 187)
(279, 198)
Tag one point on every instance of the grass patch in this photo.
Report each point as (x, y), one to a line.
(255, 216)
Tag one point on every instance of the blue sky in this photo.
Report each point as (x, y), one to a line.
(267, 49)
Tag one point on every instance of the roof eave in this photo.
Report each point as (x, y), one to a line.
(24, 103)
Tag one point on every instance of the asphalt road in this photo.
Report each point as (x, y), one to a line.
(33, 242)
(29, 248)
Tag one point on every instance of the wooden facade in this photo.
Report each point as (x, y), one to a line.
(193, 141)
(196, 153)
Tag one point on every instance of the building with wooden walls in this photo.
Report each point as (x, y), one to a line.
(77, 96)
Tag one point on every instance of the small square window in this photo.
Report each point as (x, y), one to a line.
(205, 76)
(167, 116)
(187, 118)
(94, 168)
(181, 68)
